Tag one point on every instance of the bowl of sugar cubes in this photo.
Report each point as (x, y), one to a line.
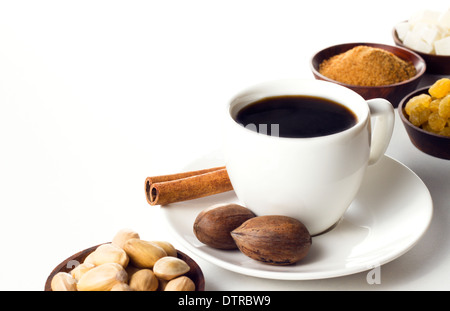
(427, 33)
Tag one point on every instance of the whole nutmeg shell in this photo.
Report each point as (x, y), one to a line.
(214, 224)
(273, 239)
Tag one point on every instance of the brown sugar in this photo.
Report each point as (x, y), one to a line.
(367, 66)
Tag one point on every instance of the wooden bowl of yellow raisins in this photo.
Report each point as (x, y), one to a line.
(425, 113)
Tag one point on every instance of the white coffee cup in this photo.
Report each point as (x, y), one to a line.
(311, 179)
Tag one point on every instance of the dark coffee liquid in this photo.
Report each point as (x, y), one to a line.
(297, 116)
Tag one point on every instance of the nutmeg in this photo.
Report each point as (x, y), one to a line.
(214, 224)
(273, 239)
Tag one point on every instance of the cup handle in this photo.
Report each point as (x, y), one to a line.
(382, 112)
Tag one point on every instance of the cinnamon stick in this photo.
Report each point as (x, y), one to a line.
(165, 189)
(161, 178)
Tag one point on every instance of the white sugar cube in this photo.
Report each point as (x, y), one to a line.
(419, 28)
(402, 29)
(444, 19)
(425, 16)
(427, 32)
(413, 41)
(442, 46)
(431, 33)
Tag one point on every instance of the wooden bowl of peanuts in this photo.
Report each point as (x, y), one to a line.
(134, 265)
(425, 113)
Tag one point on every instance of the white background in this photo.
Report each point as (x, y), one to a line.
(97, 95)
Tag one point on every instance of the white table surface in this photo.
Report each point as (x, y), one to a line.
(97, 95)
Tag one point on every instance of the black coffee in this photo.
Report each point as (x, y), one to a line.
(296, 116)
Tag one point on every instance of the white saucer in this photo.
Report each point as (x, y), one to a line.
(391, 212)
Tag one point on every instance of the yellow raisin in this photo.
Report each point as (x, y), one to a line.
(440, 88)
(427, 128)
(420, 102)
(434, 105)
(436, 122)
(445, 131)
(444, 107)
(419, 115)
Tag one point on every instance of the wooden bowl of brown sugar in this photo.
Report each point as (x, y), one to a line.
(372, 70)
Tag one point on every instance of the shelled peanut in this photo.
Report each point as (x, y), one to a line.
(431, 111)
(128, 263)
